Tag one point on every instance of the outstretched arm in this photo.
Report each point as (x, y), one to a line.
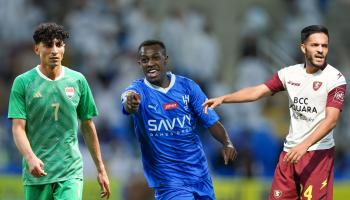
(36, 166)
(244, 95)
(91, 140)
(228, 150)
(326, 125)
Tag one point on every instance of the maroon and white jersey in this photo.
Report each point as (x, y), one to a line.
(309, 95)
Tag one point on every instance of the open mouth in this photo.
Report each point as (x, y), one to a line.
(152, 73)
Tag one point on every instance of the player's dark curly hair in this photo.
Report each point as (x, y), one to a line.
(309, 30)
(152, 42)
(47, 32)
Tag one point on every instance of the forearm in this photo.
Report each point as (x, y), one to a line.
(220, 134)
(247, 94)
(91, 141)
(21, 140)
(320, 132)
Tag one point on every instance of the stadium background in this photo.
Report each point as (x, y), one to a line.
(224, 45)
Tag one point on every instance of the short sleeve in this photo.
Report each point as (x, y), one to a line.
(336, 97)
(86, 108)
(17, 108)
(197, 98)
(275, 84)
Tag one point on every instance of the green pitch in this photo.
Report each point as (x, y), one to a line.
(225, 189)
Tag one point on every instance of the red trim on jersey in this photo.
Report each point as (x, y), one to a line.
(275, 84)
(336, 97)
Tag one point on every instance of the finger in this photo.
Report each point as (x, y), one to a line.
(137, 97)
(41, 172)
(206, 109)
(108, 190)
(105, 191)
(232, 155)
(225, 156)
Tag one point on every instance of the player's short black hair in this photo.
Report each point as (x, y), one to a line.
(307, 31)
(46, 32)
(152, 42)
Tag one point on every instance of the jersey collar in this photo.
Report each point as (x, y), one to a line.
(46, 78)
(160, 89)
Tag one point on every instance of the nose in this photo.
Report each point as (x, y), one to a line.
(320, 49)
(150, 62)
(54, 49)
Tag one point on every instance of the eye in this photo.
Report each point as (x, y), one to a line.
(59, 44)
(49, 45)
(144, 60)
(156, 58)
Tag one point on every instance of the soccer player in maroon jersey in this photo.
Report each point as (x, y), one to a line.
(316, 93)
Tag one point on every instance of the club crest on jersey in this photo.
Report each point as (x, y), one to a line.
(186, 99)
(316, 85)
(277, 193)
(170, 106)
(69, 92)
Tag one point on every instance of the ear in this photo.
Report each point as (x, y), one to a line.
(303, 48)
(36, 49)
(166, 59)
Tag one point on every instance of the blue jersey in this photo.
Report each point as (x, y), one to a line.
(165, 125)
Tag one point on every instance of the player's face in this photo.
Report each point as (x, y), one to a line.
(315, 49)
(51, 54)
(153, 62)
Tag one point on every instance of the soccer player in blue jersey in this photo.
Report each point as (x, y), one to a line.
(166, 108)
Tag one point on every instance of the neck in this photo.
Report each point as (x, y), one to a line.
(310, 68)
(51, 72)
(165, 83)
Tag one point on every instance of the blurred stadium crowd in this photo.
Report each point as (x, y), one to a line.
(222, 45)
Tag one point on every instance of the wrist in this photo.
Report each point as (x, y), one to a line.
(228, 144)
(101, 168)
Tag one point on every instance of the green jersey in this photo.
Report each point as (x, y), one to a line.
(51, 110)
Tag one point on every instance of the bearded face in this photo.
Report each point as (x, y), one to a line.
(315, 49)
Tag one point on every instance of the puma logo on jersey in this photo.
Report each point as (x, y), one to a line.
(154, 107)
(37, 95)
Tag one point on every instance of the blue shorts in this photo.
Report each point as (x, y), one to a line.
(199, 191)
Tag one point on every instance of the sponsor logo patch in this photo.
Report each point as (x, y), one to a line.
(69, 92)
(339, 96)
(170, 106)
(293, 83)
(316, 85)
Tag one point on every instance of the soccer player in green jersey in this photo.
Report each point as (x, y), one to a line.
(45, 105)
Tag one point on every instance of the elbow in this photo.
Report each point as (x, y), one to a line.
(333, 125)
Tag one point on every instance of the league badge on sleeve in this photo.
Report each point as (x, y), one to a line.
(69, 92)
(316, 85)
